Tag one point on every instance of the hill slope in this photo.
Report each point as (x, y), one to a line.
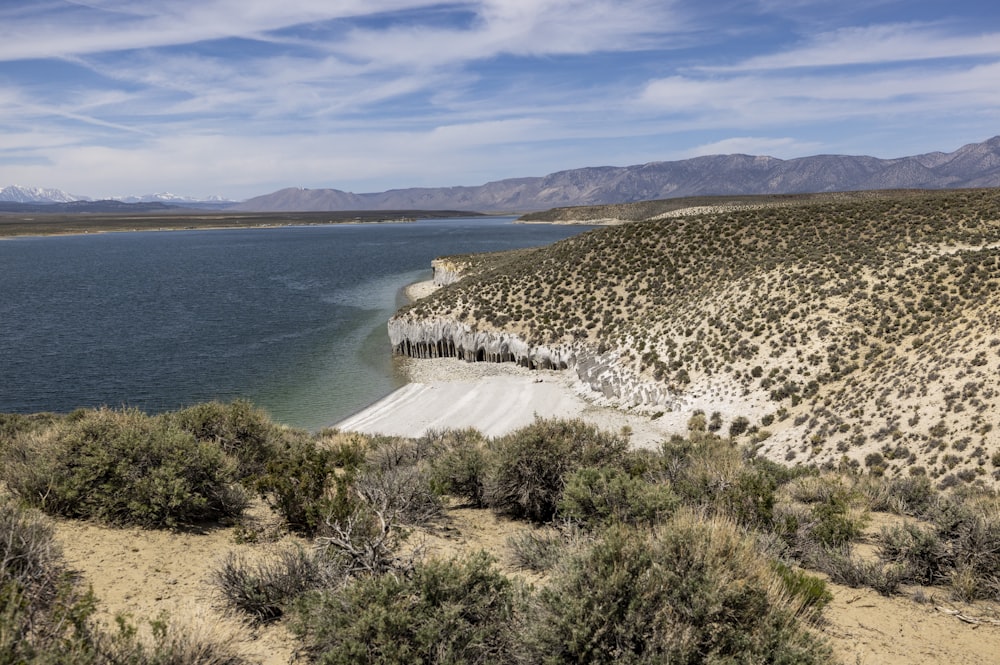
(973, 165)
(862, 331)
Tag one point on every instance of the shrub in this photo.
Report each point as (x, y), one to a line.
(531, 465)
(809, 588)
(853, 572)
(366, 526)
(40, 611)
(401, 494)
(692, 591)
(833, 525)
(738, 426)
(239, 428)
(924, 557)
(297, 483)
(975, 547)
(912, 495)
(608, 494)
(460, 469)
(457, 611)
(536, 550)
(713, 473)
(262, 589)
(123, 467)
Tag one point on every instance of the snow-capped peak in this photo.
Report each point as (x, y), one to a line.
(19, 194)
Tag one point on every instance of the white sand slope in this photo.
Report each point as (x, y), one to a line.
(494, 405)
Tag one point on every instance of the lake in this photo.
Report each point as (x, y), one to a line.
(292, 318)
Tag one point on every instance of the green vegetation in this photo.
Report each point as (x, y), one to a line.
(690, 591)
(530, 467)
(857, 328)
(122, 467)
(697, 551)
(448, 612)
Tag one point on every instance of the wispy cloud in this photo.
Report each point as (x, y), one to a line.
(237, 97)
(752, 145)
(876, 44)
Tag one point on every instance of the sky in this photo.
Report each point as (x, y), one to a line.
(236, 98)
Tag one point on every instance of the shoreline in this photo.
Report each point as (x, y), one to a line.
(169, 229)
(495, 398)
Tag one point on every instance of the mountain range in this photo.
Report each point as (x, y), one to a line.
(973, 165)
(40, 195)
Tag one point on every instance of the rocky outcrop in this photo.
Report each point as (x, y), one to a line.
(447, 272)
(601, 375)
(444, 338)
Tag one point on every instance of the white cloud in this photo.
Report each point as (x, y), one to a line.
(784, 147)
(875, 44)
(757, 100)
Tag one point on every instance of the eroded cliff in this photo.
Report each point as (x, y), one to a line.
(600, 374)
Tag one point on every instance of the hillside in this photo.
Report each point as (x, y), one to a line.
(863, 330)
(973, 165)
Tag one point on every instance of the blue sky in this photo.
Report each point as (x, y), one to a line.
(242, 97)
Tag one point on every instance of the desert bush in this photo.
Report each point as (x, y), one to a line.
(402, 494)
(782, 474)
(457, 611)
(299, 481)
(41, 612)
(711, 472)
(834, 525)
(263, 588)
(976, 550)
(240, 429)
(13, 425)
(536, 550)
(169, 644)
(924, 557)
(389, 452)
(531, 465)
(913, 495)
(595, 496)
(123, 467)
(844, 568)
(461, 468)
(693, 590)
(810, 589)
(369, 520)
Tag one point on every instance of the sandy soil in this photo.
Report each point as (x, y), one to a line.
(144, 573)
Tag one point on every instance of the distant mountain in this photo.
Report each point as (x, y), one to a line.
(38, 195)
(18, 194)
(973, 165)
(173, 199)
(104, 207)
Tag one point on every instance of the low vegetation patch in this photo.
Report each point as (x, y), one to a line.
(123, 467)
(697, 551)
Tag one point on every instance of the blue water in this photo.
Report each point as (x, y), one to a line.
(291, 318)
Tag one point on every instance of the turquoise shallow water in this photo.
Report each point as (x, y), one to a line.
(291, 318)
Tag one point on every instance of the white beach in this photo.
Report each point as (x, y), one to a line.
(495, 398)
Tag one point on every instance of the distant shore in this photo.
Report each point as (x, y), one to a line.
(42, 224)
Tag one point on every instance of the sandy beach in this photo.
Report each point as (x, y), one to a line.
(495, 398)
